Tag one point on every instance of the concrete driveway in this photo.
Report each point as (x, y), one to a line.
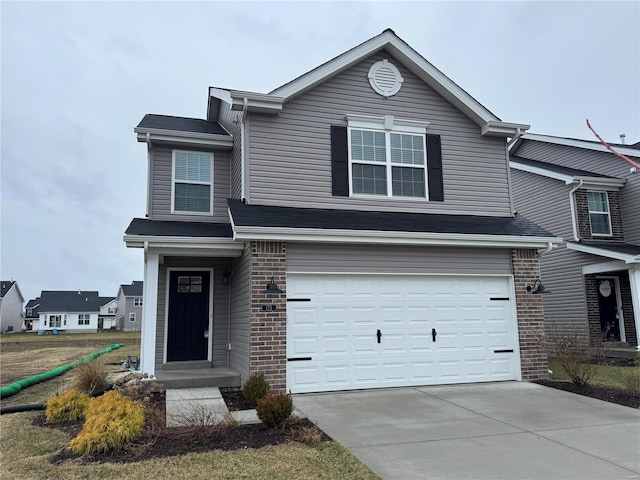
(508, 430)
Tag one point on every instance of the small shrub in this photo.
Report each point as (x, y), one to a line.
(69, 407)
(275, 410)
(576, 360)
(111, 422)
(90, 377)
(255, 388)
(631, 383)
(307, 434)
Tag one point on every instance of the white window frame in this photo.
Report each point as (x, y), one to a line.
(388, 124)
(137, 302)
(173, 183)
(607, 213)
(84, 319)
(132, 317)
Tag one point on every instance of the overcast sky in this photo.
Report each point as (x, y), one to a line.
(78, 77)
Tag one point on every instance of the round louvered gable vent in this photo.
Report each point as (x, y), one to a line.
(385, 78)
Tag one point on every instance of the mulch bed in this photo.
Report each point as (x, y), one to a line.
(613, 395)
(158, 441)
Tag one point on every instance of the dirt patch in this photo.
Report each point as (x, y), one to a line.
(235, 400)
(613, 395)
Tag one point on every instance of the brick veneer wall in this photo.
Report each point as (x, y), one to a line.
(533, 352)
(584, 223)
(627, 309)
(269, 329)
(593, 310)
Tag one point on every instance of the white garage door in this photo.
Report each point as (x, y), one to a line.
(369, 331)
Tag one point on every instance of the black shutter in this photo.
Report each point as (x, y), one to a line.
(434, 168)
(339, 161)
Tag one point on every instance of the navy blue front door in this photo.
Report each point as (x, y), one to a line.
(188, 319)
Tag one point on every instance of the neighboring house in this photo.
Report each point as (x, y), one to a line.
(107, 315)
(11, 300)
(351, 229)
(580, 191)
(129, 317)
(66, 310)
(31, 314)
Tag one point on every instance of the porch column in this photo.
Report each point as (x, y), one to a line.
(149, 314)
(634, 280)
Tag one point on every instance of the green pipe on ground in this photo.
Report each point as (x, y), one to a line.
(15, 387)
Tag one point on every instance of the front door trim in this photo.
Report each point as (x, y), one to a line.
(166, 308)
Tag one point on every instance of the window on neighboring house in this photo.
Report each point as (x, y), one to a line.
(192, 189)
(599, 213)
(137, 302)
(387, 157)
(111, 310)
(29, 312)
(83, 319)
(54, 320)
(132, 317)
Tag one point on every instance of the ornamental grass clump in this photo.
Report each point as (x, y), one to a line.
(91, 376)
(69, 407)
(275, 409)
(255, 388)
(111, 422)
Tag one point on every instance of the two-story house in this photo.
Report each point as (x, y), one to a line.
(129, 300)
(107, 314)
(579, 190)
(11, 300)
(351, 229)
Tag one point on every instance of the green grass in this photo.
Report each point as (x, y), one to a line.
(607, 375)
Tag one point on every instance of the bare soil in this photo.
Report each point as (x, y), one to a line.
(608, 394)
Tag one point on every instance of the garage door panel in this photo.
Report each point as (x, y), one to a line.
(346, 311)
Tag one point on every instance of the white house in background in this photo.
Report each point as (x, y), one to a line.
(11, 301)
(129, 316)
(108, 310)
(67, 310)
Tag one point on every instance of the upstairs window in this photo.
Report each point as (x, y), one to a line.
(192, 186)
(387, 158)
(137, 302)
(599, 213)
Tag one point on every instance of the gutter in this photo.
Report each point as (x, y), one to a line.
(572, 203)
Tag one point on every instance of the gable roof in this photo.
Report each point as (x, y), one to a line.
(69, 301)
(627, 252)
(34, 305)
(272, 102)
(291, 223)
(133, 290)
(566, 174)
(6, 285)
(105, 300)
(628, 150)
(182, 130)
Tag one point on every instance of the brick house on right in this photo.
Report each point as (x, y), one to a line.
(578, 190)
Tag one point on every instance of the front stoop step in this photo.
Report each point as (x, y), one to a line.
(188, 407)
(198, 378)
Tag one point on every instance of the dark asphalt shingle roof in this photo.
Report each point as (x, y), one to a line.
(290, 217)
(133, 290)
(618, 247)
(574, 172)
(181, 124)
(170, 228)
(5, 286)
(34, 305)
(69, 301)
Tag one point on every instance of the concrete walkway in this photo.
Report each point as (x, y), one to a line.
(201, 406)
(509, 430)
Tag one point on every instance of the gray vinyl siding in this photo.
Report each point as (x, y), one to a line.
(290, 159)
(598, 162)
(241, 314)
(230, 120)
(330, 258)
(130, 308)
(544, 201)
(11, 310)
(220, 304)
(160, 208)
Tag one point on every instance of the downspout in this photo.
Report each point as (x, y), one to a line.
(229, 317)
(148, 175)
(518, 134)
(572, 202)
(242, 151)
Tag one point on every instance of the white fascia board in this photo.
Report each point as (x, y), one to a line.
(602, 267)
(503, 129)
(602, 252)
(587, 182)
(570, 142)
(183, 243)
(397, 238)
(409, 57)
(185, 138)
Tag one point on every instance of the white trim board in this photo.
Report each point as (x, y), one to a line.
(603, 252)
